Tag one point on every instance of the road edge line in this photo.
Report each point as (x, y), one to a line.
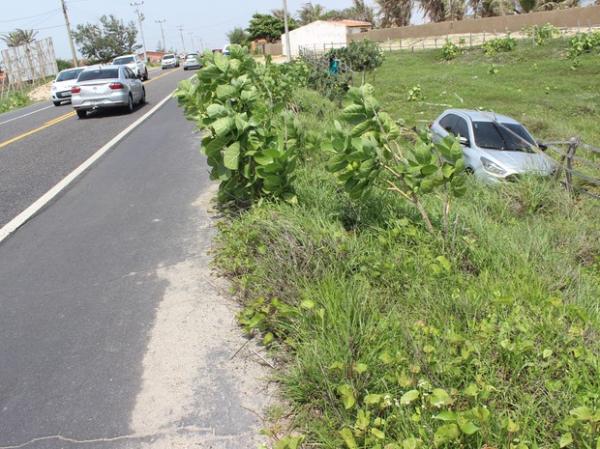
(42, 201)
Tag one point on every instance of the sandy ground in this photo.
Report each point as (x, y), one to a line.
(41, 93)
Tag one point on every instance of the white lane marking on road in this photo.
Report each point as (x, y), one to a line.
(25, 115)
(28, 213)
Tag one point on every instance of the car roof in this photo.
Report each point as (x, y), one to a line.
(102, 66)
(71, 69)
(124, 56)
(482, 116)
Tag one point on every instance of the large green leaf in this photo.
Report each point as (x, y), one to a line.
(221, 61)
(231, 156)
(348, 438)
(223, 126)
(446, 434)
(225, 91)
(409, 397)
(216, 110)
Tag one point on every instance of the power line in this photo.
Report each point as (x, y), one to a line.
(30, 17)
(162, 33)
(180, 28)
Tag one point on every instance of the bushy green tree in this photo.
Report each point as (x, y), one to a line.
(238, 36)
(269, 27)
(106, 40)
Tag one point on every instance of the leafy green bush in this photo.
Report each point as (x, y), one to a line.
(501, 44)
(361, 56)
(63, 64)
(369, 153)
(450, 51)
(249, 135)
(415, 93)
(542, 33)
(584, 43)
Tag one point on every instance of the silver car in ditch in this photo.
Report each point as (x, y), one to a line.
(495, 147)
(104, 87)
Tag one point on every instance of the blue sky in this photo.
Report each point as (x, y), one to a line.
(206, 20)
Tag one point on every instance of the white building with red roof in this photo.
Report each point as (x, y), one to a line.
(321, 35)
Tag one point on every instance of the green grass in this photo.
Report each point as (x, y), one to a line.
(533, 84)
(14, 100)
(389, 337)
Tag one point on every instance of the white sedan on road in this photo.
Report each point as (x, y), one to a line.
(104, 87)
(135, 64)
(61, 86)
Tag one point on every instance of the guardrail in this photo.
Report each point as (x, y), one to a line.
(585, 170)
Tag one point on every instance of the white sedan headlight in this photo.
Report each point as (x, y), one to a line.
(492, 167)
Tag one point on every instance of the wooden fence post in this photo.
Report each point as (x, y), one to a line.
(573, 144)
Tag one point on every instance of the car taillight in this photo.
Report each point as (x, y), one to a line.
(75, 89)
(116, 86)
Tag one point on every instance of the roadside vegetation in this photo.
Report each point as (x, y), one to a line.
(14, 100)
(474, 324)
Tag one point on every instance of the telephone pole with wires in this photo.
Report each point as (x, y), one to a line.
(69, 34)
(180, 28)
(193, 41)
(140, 18)
(162, 33)
(287, 30)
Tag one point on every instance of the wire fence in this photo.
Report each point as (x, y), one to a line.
(470, 40)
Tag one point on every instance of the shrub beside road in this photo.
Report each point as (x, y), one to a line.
(390, 335)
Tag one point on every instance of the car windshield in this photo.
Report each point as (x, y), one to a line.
(124, 60)
(168, 56)
(68, 75)
(98, 74)
(502, 136)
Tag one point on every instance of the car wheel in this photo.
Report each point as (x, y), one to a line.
(57, 103)
(81, 113)
(146, 75)
(143, 99)
(185, 68)
(130, 106)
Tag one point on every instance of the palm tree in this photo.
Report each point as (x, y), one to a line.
(310, 12)
(442, 10)
(395, 12)
(278, 13)
(19, 37)
(362, 11)
(489, 8)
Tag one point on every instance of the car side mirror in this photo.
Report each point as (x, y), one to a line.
(464, 141)
(542, 146)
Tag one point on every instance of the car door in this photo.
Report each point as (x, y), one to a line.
(461, 128)
(135, 86)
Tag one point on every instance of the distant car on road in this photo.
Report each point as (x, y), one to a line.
(495, 146)
(169, 60)
(104, 87)
(61, 86)
(136, 65)
(226, 50)
(191, 62)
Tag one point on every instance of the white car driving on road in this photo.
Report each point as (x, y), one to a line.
(169, 60)
(61, 86)
(105, 87)
(136, 65)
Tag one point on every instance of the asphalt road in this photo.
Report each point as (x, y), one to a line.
(58, 142)
(113, 333)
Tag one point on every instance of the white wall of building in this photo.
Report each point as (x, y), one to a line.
(316, 36)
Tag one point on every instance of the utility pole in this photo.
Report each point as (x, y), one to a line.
(287, 31)
(180, 28)
(193, 41)
(71, 44)
(162, 33)
(140, 17)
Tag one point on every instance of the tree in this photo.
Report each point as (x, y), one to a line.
(442, 10)
(19, 37)
(269, 27)
(490, 8)
(238, 36)
(106, 40)
(310, 12)
(395, 12)
(359, 11)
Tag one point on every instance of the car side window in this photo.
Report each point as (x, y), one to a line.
(461, 128)
(447, 122)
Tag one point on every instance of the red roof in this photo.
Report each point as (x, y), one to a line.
(353, 23)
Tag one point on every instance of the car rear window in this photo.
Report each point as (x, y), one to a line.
(168, 56)
(68, 75)
(100, 74)
(124, 60)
